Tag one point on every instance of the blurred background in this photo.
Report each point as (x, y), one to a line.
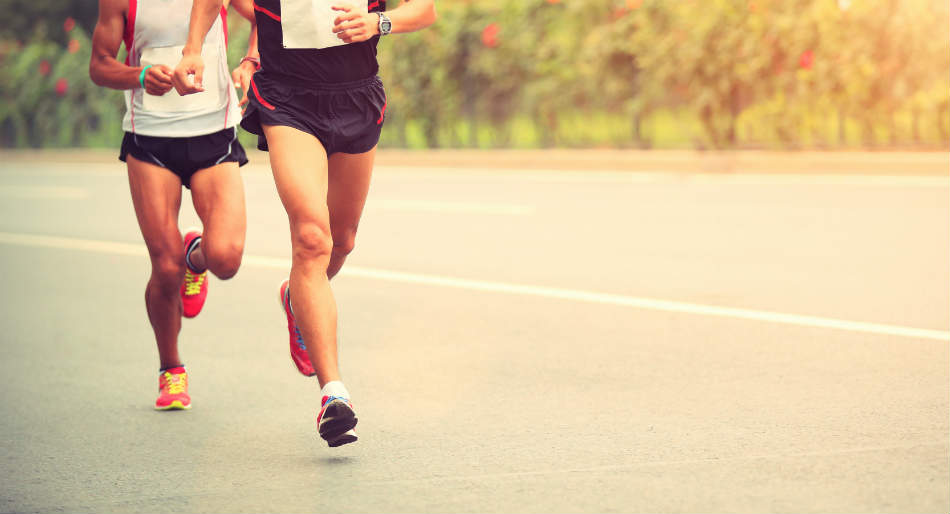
(684, 74)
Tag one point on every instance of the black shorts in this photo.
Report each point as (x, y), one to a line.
(183, 156)
(345, 117)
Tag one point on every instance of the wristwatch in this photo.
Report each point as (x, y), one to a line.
(385, 24)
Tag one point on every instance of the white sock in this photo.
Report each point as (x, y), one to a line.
(335, 388)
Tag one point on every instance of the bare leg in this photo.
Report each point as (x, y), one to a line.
(349, 179)
(218, 197)
(156, 196)
(299, 163)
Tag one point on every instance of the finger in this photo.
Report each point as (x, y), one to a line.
(199, 73)
(344, 8)
(347, 26)
(187, 89)
(345, 18)
(179, 80)
(243, 99)
(163, 70)
(156, 90)
(355, 36)
(160, 78)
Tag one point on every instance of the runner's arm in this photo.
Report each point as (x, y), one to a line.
(203, 13)
(242, 74)
(246, 9)
(410, 16)
(105, 70)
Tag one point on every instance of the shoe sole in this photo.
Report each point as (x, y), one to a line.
(283, 308)
(346, 438)
(337, 420)
(175, 405)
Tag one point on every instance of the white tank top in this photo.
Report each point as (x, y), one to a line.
(155, 34)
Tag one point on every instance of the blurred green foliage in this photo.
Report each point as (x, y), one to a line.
(592, 73)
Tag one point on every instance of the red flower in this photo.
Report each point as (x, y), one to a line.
(69, 24)
(554, 1)
(807, 59)
(61, 87)
(490, 35)
(44, 68)
(73, 46)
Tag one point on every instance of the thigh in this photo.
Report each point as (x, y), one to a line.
(156, 197)
(299, 164)
(349, 178)
(218, 196)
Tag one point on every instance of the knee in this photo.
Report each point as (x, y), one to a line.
(168, 270)
(344, 243)
(311, 242)
(223, 259)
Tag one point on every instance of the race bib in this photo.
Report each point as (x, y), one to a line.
(309, 23)
(171, 101)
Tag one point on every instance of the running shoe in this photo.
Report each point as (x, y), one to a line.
(194, 289)
(173, 390)
(336, 421)
(298, 348)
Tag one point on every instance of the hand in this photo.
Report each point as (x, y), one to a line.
(190, 64)
(242, 80)
(353, 27)
(158, 80)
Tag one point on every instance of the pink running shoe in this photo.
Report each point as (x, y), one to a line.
(298, 348)
(194, 289)
(173, 390)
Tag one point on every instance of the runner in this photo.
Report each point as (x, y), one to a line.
(173, 141)
(318, 107)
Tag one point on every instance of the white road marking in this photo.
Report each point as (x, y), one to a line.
(112, 247)
(660, 177)
(448, 207)
(43, 192)
(261, 171)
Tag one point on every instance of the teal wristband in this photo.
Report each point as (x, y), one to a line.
(142, 75)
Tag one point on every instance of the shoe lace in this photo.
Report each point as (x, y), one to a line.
(329, 399)
(193, 282)
(175, 383)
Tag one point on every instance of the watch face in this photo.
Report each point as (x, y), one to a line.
(387, 26)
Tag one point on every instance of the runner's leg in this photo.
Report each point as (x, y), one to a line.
(348, 184)
(156, 196)
(299, 164)
(218, 196)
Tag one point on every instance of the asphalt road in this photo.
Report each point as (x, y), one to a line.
(515, 341)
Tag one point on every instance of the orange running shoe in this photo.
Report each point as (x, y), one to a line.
(194, 290)
(173, 390)
(298, 348)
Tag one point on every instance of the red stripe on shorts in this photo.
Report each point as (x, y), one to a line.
(265, 11)
(259, 98)
(381, 114)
